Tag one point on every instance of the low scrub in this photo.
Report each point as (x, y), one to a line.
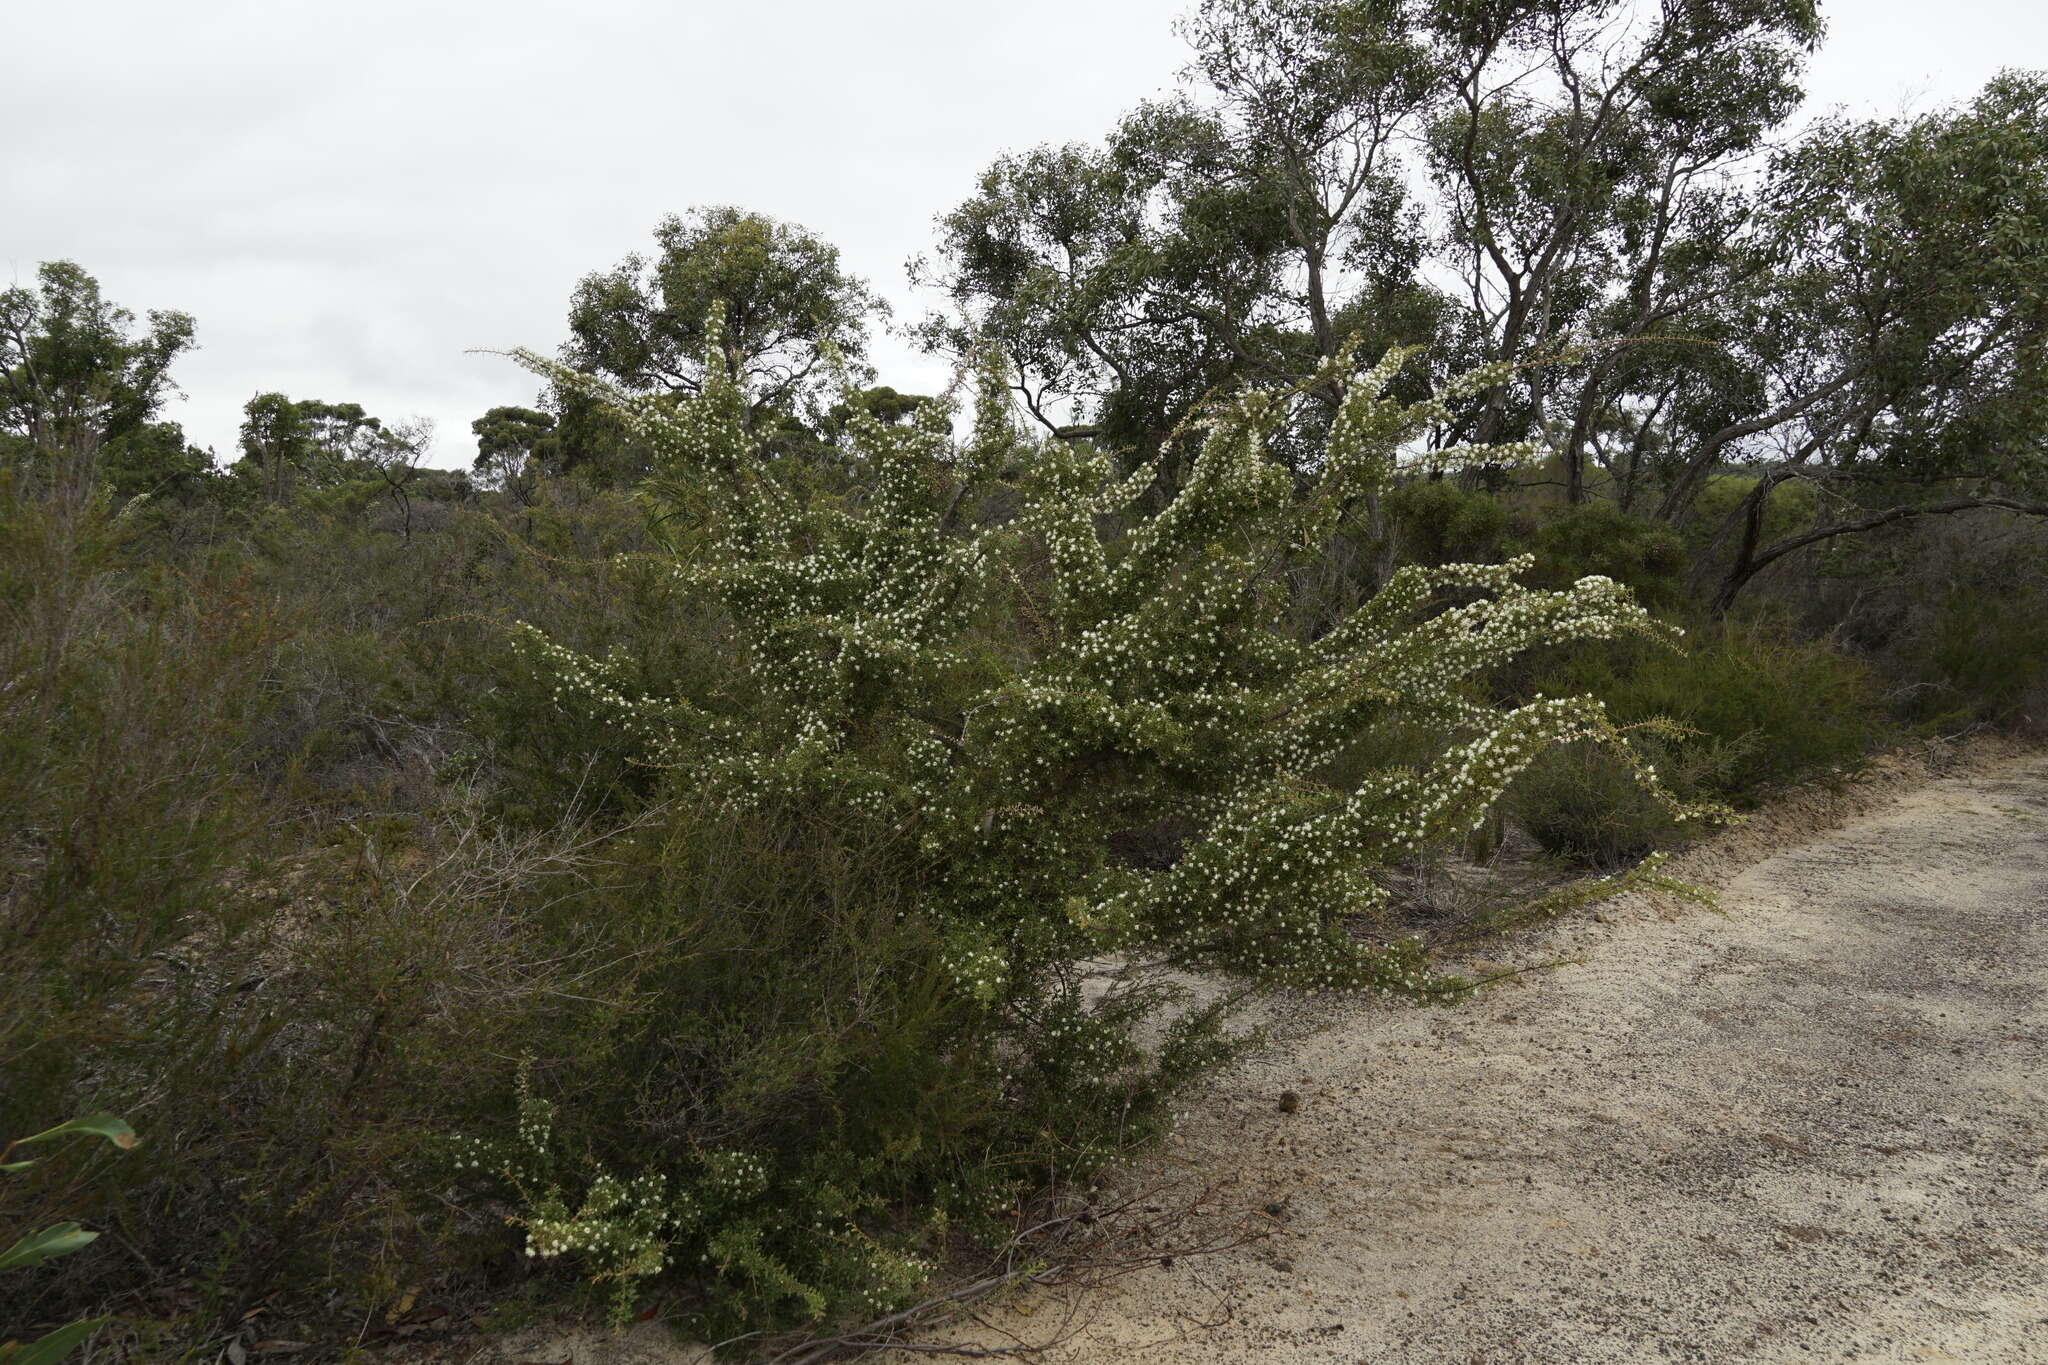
(1742, 709)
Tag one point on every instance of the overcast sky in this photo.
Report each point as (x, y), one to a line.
(347, 197)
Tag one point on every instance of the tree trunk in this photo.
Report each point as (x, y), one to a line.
(1752, 561)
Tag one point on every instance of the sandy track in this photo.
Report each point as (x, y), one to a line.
(1814, 1127)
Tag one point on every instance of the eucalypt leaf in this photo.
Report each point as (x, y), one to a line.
(114, 1130)
(46, 1350)
(59, 1240)
(50, 1243)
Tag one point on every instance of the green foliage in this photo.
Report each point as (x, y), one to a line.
(306, 445)
(107, 1126)
(1579, 804)
(59, 1240)
(154, 460)
(1899, 336)
(1600, 538)
(1914, 252)
(1441, 523)
(806, 835)
(1791, 506)
(870, 689)
(1577, 185)
(1952, 614)
(75, 377)
(881, 403)
(234, 902)
(1982, 657)
(1742, 710)
(891, 809)
(512, 444)
(53, 1346)
(787, 299)
(122, 715)
(1796, 708)
(1870, 309)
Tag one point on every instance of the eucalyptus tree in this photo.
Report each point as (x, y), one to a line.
(511, 444)
(787, 299)
(1235, 238)
(275, 443)
(292, 445)
(1575, 154)
(1895, 354)
(1118, 283)
(1583, 154)
(82, 387)
(1866, 313)
(155, 460)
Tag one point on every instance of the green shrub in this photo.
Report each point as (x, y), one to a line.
(213, 919)
(125, 713)
(1748, 708)
(1984, 658)
(1578, 802)
(1440, 523)
(894, 815)
(1951, 614)
(1766, 708)
(1791, 508)
(1600, 538)
(1965, 639)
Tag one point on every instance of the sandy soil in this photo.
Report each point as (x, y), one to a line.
(1811, 1127)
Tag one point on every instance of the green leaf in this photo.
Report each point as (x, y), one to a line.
(54, 1347)
(114, 1130)
(51, 1242)
(15, 1165)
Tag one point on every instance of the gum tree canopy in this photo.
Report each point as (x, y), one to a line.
(79, 384)
(1502, 179)
(1568, 150)
(1895, 354)
(786, 298)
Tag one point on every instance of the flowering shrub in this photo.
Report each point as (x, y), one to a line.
(976, 664)
(624, 1230)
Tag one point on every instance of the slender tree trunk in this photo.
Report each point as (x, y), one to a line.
(1744, 566)
(1758, 560)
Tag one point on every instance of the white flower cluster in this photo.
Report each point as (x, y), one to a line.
(978, 970)
(618, 1229)
(598, 687)
(889, 1278)
(984, 646)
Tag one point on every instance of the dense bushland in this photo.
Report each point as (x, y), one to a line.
(733, 850)
(305, 824)
(1745, 709)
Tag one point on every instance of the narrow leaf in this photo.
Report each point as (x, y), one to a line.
(114, 1130)
(37, 1247)
(58, 1344)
